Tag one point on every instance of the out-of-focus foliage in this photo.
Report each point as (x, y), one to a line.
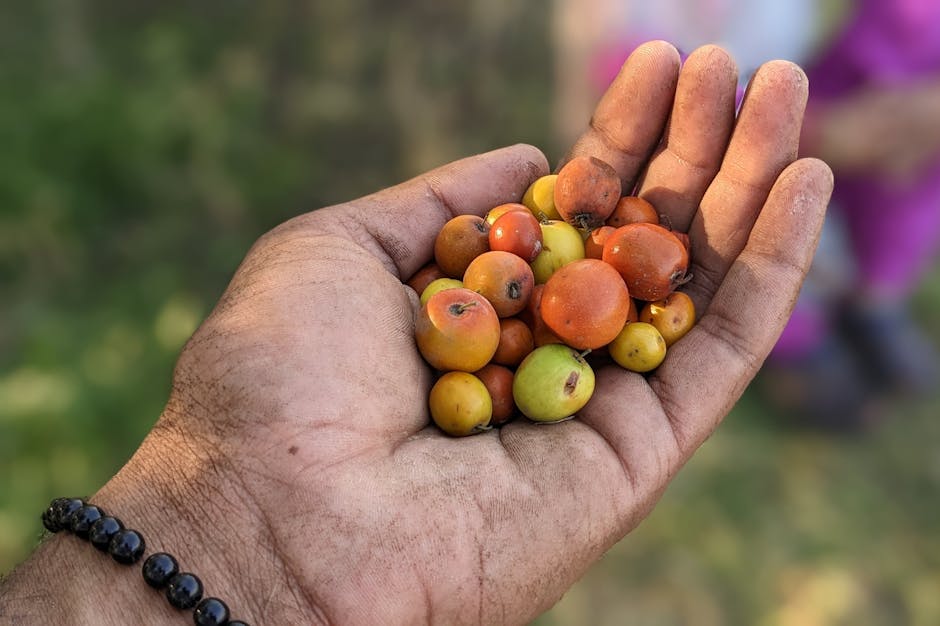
(145, 145)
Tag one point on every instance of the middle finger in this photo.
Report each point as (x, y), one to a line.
(695, 139)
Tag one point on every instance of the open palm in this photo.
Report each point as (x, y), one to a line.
(299, 410)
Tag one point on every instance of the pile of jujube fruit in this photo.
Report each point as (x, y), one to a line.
(517, 305)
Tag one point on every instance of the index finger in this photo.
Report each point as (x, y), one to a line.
(629, 119)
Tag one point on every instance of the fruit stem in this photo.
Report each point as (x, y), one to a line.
(458, 309)
(680, 278)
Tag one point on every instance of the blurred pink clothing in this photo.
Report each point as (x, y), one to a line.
(893, 229)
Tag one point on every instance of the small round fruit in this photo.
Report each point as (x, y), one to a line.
(460, 404)
(517, 232)
(460, 240)
(552, 383)
(633, 315)
(651, 259)
(561, 244)
(586, 192)
(515, 342)
(673, 316)
(639, 347)
(498, 211)
(631, 210)
(457, 329)
(540, 198)
(532, 316)
(424, 276)
(585, 303)
(684, 238)
(503, 278)
(594, 244)
(438, 284)
(498, 381)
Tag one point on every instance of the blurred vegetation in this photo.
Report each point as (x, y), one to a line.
(146, 145)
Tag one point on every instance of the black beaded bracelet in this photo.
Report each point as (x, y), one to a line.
(160, 570)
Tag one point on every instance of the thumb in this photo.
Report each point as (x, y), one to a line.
(399, 224)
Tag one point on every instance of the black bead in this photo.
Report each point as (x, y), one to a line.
(184, 590)
(159, 568)
(127, 546)
(83, 518)
(237, 622)
(49, 516)
(103, 530)
(211, 612)
(62, 511)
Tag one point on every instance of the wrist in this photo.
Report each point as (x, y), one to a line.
(183, 503)
(67, 581)
(189, 500)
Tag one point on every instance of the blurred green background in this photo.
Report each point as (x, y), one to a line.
(144, 146)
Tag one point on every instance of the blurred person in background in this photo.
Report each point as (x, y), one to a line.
(874, 116)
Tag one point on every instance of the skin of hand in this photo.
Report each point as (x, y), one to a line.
(295, 468)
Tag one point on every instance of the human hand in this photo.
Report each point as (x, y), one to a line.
(295, 467)
(889, 131)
